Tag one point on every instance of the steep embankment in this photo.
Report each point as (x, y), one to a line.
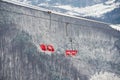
(23, 28)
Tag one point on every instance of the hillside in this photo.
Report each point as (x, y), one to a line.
(100, 10)
(24, 27)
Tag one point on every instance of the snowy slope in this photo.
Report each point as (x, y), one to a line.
(24, 27)
(117, 27)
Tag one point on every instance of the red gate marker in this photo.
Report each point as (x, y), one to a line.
(43, 47)
(50, 48)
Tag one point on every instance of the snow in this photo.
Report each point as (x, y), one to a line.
(95, 41)
(24, 1)
(116, 26)
(96, 10)
(24, 4)
(105, 76)
(46, 10)
(110, 1)
(43, 4)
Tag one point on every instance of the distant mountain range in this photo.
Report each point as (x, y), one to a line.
(101, 10)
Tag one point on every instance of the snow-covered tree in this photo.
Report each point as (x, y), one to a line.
(105, 76)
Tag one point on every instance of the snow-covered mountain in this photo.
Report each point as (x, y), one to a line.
(24, 27)
(101, 10)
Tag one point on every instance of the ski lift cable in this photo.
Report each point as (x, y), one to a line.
(45, 18)
(49, 12)
(45, 35)
(72, 41)
(70, 38)
(67, 35)
(66, 28)
(49, 25)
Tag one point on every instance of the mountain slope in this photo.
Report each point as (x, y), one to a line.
(101, 10)
(23, 28)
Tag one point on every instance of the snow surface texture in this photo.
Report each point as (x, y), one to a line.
(22, 29)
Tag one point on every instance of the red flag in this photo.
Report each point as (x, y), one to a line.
(50, 48)
(43, 47)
